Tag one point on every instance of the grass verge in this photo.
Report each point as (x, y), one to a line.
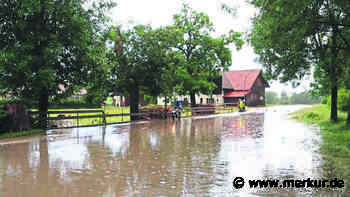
(22, 133)
(89, 121)
(119, 110)
(335, 135)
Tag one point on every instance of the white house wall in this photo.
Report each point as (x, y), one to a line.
(218, 99)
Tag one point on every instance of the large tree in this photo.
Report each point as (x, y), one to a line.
(143, 62)
(46, 43)
(204, 56)
(293, 36)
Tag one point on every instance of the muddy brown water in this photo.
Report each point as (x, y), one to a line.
(190, 157)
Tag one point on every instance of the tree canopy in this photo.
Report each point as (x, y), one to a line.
(203, 55)
(143, 62)
(293, 36)
(46, 43)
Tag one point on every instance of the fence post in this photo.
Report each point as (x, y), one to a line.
(77, 119)
(104, 118)
(122, 115)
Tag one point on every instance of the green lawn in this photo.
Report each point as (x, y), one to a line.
(107, 109)
(335, 135)
(22, 133)
(119, 110)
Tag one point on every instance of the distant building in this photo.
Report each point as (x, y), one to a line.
(78, 95)
(120, 100)
(233, 85)
(244, 84)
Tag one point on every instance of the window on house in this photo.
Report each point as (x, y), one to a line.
(201, 100)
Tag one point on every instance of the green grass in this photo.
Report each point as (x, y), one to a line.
(22, 133)
(108, 109)
(335, 144)
(271, 105)
(118, 110)
(335, 135)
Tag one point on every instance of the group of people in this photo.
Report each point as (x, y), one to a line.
(176, 113)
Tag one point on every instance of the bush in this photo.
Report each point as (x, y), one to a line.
(73, 104)
(324, 100)
(343, 99)
(3, 118)
(94, 97)
(3, 111)
(312, 116)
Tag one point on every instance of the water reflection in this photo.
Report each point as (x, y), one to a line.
(191, 157)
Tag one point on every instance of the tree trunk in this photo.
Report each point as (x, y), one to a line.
(165, 107)
(348, 118)
(134, 102)
(334, 107)
(193, 98)
(43, 108)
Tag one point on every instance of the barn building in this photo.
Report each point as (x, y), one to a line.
(232, 86)
(244, 84)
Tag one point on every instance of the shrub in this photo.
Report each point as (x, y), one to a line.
(67, 103)
(343, 99)
(324, 100)
(312, 116)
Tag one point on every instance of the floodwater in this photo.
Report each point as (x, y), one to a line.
(190, 157)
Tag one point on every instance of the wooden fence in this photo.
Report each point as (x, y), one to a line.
(100, 114)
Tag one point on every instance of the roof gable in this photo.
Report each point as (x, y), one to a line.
(240, 80)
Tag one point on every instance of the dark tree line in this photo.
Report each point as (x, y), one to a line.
(46, 43)
(295, 98)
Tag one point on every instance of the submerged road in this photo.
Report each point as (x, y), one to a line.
(197, 156)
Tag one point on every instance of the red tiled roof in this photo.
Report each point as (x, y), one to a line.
(239, 80)
(237, 93)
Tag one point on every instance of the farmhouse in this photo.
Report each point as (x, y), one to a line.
(244, 84)
(232, 86)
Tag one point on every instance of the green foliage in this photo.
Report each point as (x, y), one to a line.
(3, 112)
(335, 136)
(17, 100)
(304, 98)
(143, 59)
(324, 100)
(284, 98)
(312, 116)
(296, 98)
(58, 42)
(22, 133)
(93, 98)
(343, 99)
(73, 104)
(271, 97)
(292, 36)
(202, 56)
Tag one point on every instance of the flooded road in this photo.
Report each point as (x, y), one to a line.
(192, 157)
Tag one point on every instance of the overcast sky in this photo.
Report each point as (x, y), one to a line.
(160, 12)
